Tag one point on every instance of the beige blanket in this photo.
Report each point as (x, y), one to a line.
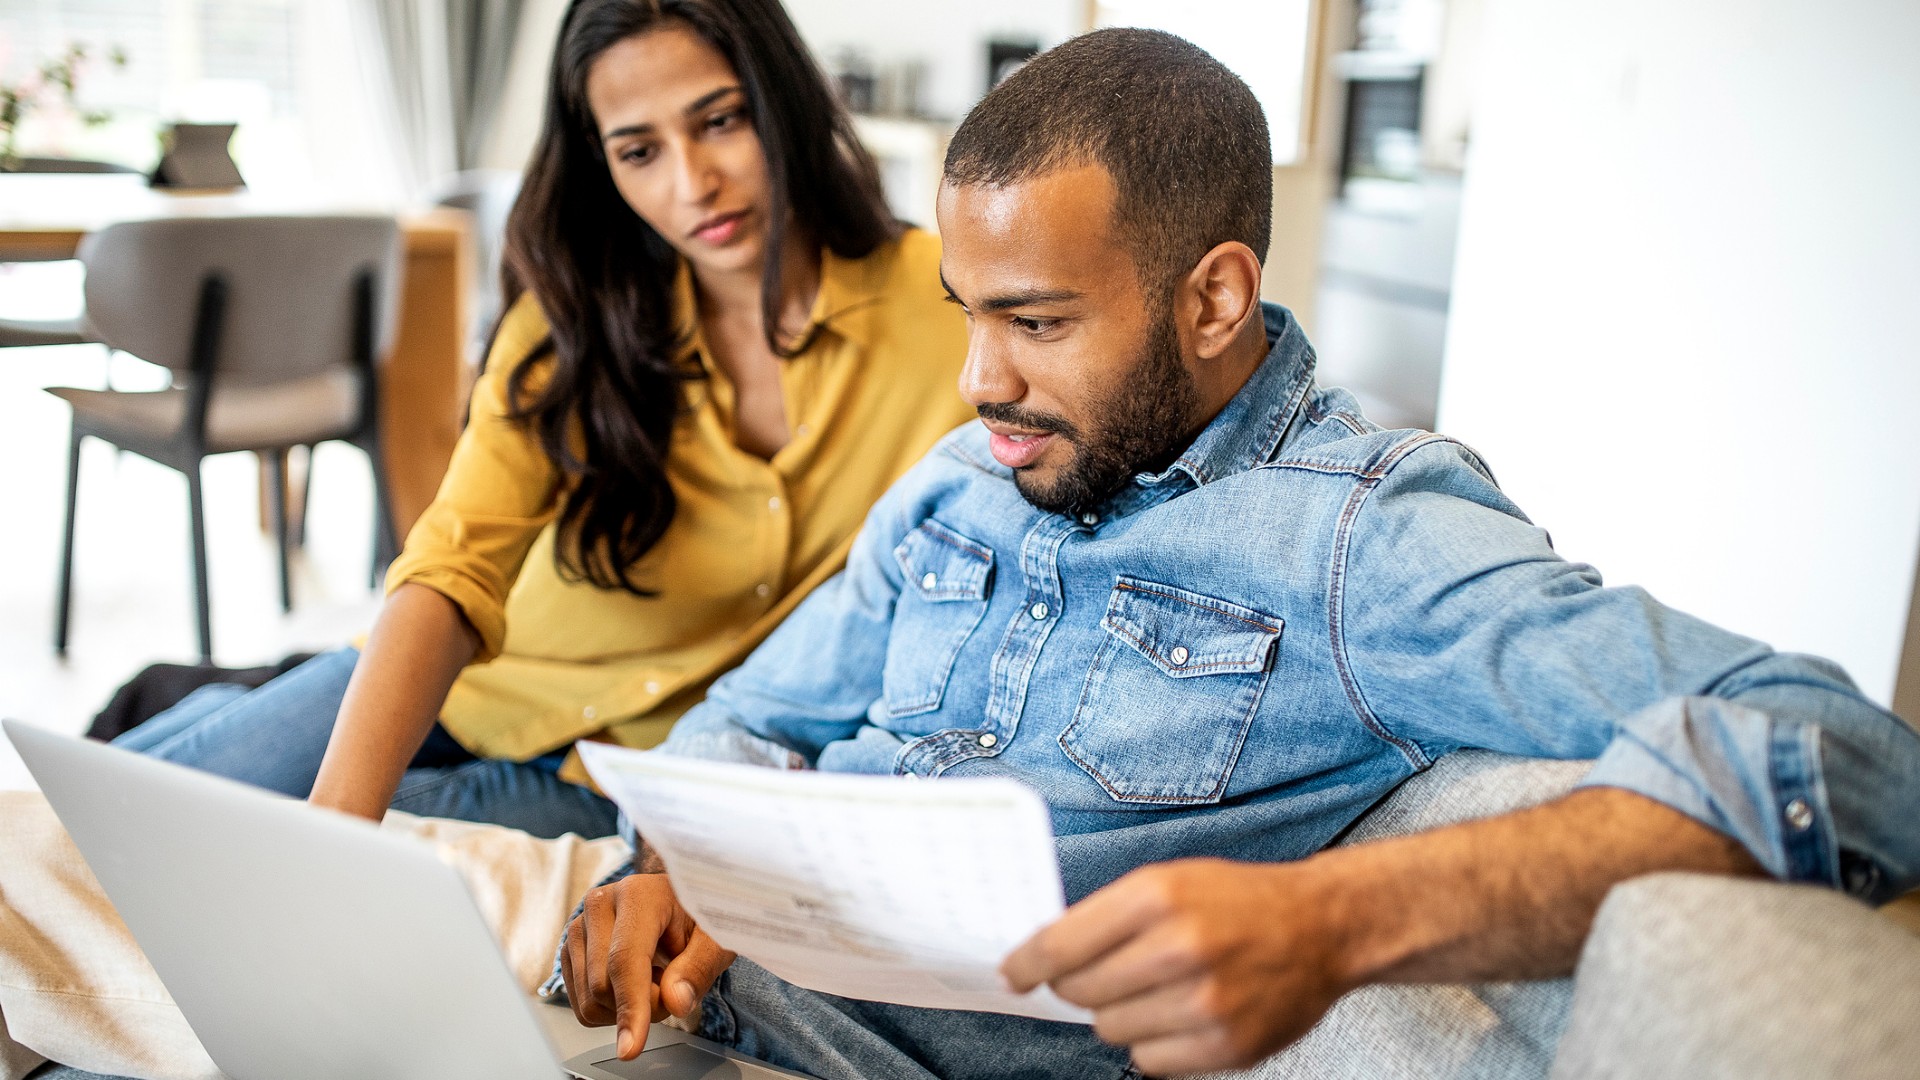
(75, 988)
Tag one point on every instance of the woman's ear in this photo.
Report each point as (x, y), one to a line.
(1218, 297)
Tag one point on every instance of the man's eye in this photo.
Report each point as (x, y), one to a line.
(1029, 324)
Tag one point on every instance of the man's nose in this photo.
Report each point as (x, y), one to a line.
(988, 378)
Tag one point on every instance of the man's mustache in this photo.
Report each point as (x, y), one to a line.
(1001, 412)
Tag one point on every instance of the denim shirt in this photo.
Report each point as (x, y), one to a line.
(1240, 655)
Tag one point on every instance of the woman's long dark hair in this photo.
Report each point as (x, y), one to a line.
(604, 278)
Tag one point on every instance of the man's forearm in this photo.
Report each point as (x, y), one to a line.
(1510, 897)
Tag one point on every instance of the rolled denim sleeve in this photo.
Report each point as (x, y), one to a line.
(1459, 627)
(814, 678)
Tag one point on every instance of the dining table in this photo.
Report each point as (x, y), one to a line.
(427, 373)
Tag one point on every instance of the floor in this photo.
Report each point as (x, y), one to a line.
(133, 593)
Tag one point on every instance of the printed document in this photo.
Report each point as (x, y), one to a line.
(879, 888)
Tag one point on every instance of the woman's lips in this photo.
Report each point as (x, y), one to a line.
(720, 229)
(1018, 451)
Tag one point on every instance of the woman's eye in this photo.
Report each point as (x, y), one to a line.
(637, 155)
(726, 121)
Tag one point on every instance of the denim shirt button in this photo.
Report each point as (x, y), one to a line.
(1799, 815)
(1089, 519)
(929, 581)
(1039, 610)
(988, 740)
(1178, 655)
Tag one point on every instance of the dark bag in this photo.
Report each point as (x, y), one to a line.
(161, 686)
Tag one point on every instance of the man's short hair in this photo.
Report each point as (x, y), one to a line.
(1182, 137)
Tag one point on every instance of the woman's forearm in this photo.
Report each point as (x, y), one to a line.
(418, 646)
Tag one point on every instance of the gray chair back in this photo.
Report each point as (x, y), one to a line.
(290, 309)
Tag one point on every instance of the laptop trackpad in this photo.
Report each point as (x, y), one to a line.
(680, 1061)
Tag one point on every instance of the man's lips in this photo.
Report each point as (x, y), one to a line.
(1016, 448)
(719, 228)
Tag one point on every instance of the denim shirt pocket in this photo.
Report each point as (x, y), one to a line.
(948, 578)
(1171, 693)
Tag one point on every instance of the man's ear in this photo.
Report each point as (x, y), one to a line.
(1218, 297)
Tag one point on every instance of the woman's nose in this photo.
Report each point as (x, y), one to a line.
(698, 180)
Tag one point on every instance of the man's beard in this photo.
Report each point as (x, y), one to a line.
(1141, 420)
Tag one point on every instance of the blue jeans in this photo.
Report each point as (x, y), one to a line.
(841, 1039)
(275, 736)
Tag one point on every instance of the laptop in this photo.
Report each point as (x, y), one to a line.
(303, 944)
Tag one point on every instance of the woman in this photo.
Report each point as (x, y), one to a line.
(720, 350)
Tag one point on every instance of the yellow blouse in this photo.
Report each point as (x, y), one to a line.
(562, 660)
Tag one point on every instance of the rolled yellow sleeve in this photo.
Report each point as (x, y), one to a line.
(500, 491)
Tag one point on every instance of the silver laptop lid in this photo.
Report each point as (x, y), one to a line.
(359, 954)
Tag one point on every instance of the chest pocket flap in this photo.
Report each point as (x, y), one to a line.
(1185, 634)
(941, 565)
(947, 580)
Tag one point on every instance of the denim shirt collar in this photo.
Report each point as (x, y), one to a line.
(1247, 432)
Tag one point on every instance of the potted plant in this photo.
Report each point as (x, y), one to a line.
(55, 83)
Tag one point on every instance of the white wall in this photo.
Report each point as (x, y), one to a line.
(1681, 326)
(949, 38)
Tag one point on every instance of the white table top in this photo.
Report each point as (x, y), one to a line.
(83, 202)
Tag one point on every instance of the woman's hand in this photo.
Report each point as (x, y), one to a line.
(633, 956)
(418, 647)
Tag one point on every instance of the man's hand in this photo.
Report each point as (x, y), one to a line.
(1196, 965)
(633, 956)
(1206, 964)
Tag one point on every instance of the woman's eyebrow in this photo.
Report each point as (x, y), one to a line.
(699, 103)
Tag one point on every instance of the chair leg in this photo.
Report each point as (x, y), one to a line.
(277, 495)
(306, 497)
(197, 511)
(64, 604)
(386, 542)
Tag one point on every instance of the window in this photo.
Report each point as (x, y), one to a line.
(285, 71)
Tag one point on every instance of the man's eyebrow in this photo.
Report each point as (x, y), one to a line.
(1022, 298)
(699, 103)
(1028, 298)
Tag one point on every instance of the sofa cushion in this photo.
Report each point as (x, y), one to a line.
(1686, 975)
(1492, 1030)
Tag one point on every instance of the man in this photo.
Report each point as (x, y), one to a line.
(1211, 613)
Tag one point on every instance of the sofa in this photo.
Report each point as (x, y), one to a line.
(1683, 976)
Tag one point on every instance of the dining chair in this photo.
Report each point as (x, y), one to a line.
(273, 328)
